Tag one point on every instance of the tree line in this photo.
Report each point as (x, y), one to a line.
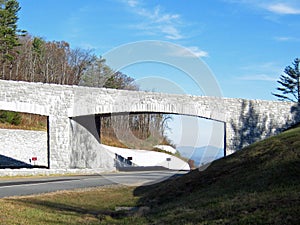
(135, 130)
(33, 59)
(38, 60)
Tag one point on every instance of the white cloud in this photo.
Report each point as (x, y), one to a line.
(192, 51)
(198, 52)
(285, 39)
(257, 77)
(132, 3)
(282, 8)
(156, 21)
(268, 71)
(263, 67)
(171, 32)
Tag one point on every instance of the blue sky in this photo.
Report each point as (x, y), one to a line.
(245, 43)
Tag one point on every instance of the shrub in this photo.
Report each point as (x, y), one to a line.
(10, 117)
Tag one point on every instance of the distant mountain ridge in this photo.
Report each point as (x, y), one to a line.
(201, 155)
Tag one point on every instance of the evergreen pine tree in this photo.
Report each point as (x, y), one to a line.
(290, 83)
(9, 33)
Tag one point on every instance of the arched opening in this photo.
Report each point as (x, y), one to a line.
(198, 141)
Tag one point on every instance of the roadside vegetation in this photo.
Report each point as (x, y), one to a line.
(257, 185)
(135, 130)
(22, 121)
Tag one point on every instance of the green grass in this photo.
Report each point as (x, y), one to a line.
(257, 185)
(92, 206)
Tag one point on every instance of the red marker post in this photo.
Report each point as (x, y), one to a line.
(34, 159)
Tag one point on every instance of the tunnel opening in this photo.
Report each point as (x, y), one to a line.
(24, 139)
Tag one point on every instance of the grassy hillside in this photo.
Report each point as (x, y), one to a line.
(257, 185)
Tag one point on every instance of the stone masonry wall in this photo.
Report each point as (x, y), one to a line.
(22, 145)
(246, 120)
(44, 99)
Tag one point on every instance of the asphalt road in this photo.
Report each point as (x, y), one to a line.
(30, 186)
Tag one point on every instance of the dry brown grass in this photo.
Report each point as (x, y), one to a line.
(28, 122)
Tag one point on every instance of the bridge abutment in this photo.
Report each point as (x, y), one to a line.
(86, 150)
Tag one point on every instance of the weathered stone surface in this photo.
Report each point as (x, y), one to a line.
(246, 121)
(22, 145)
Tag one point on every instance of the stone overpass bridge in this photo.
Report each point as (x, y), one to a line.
(73, 137)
